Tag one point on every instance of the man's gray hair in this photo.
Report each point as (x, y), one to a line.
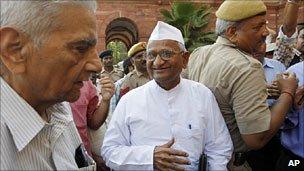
(36, 18)
(222, 25)
(182, 47)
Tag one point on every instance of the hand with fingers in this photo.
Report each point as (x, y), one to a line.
(299, 97)
(107, 88)
(167, 158)
(287, 83)
(273, 90)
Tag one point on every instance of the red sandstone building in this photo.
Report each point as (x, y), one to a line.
(131, 21)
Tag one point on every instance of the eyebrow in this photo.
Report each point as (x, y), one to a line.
(84, 42)
(161, 50)
(262, 23)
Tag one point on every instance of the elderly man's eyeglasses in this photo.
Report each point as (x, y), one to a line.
(164, 54)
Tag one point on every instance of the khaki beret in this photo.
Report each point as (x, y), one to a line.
(236, 10)
(136, 48)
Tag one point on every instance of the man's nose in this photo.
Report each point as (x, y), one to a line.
(265, 31)
(158, 61)
(94, 64)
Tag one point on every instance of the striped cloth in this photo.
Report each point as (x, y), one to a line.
(30, 143)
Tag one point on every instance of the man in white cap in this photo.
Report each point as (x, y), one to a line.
(237, 80)
(169, 122)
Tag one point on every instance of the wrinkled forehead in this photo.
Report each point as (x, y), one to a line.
(77, 16)
(158, 45)
(253, 21)
(77, 24)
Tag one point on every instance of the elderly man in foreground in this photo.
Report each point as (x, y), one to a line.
(47, 51)
(169, 122)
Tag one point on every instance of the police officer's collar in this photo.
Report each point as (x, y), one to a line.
(267, 63)
(104, 71)
(224, 41)
(138, 73)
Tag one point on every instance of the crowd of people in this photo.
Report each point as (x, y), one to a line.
(237, 104)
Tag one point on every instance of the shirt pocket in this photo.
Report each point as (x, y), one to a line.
(191, 139)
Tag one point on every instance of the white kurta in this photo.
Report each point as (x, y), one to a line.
(149, 116)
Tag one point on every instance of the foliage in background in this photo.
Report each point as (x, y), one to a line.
(119, 49)
(191, 19)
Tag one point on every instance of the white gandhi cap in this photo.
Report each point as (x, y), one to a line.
(164, 31)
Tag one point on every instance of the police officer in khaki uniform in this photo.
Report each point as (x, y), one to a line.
(108, 69)
(139, 76)
(237, 80)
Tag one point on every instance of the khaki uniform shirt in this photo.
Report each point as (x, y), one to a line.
(239, 85)
(133, 80)
(115, 74)
(29, 143)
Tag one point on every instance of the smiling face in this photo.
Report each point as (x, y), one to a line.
(250, 36)
(55, 71)
(166, 72)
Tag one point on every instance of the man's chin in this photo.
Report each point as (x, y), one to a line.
(73, 96)
(108, 65)
(259, 56)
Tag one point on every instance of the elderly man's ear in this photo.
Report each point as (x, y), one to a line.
(11, 46)
(132, 61)
(186, 56)
(231, 34)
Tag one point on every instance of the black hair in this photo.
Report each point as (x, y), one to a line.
(126, 63)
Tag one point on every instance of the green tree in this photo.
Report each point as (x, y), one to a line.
(192, 19)
(119, 51)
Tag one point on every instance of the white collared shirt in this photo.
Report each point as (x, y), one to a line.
(150, 116)
(29, 143)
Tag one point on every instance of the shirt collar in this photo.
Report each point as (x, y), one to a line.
(171, 91)
(21, 119)
(138, 73)
(104, 71)
(267, 63)
(224, 41)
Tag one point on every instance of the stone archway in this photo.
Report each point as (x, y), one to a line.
(122, 29)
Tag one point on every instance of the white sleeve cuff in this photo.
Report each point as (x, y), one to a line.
(282, 35)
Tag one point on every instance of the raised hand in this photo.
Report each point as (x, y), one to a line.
(107, 88)
(287, 82)
(273, 90)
